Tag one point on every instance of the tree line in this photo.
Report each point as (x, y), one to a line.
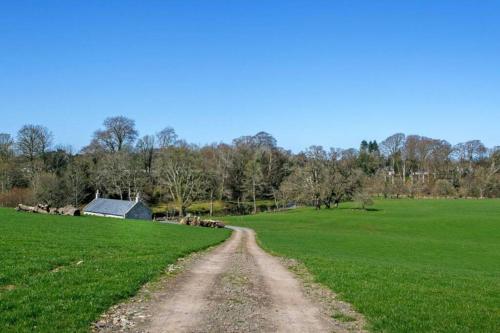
(164, 168)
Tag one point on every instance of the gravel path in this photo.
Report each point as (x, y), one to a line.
(237, 287)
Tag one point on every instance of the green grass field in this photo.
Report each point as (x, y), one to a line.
(410, 266)
(57, 274)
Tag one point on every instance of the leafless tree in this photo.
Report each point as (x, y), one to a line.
(179, 172)
(112, 173)
(6, 155)
(118, 133)
(145, 148)
(6, 145)
(33, 141)
(167, 137)
(253, 175)
(470, 151)
(78, 177)
(392, 147)
(343, 178)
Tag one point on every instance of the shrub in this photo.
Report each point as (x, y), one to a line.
(443, 188)
(50, 189)
(364, 199)
(16, 196)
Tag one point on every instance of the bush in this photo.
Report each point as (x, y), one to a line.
(16, 196)
(51, 190)
(443, 188)
(364, 199)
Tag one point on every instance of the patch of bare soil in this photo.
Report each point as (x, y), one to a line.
(236, 287)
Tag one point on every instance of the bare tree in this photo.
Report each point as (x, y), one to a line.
(6, 145)
(145, 148)
(33, 141)
(392, 147)
(215, 171)
(264, 139)
(253, 176)
(112, 173)
(118, 133)
(343, 178)
(439, 160)
(6, 154)
(313, 175)
(180, 173)
(167, 137)
(78, 180)
(393, 144)
(363, 198)
(470, 151)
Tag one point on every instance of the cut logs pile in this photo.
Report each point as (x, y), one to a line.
(46, 209)
(197, 221)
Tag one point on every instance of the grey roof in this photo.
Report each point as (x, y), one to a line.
(109, 206)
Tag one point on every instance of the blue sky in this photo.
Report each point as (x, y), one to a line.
(309, 72)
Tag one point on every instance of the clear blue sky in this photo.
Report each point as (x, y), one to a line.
(309, 72)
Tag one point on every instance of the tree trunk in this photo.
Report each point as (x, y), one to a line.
(275, 199)
(317, 203)
(254, 197)
(211, 203)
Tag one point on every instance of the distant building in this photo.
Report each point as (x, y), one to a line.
(122, 209)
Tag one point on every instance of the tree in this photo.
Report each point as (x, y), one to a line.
(308, 181)
(469, 152)
(242, 152)
(215, 171)
(439, 159)
(56, 161)
(118, 133)
(121, 175)
(111, 175)
(50, 189)
(363, 198)
(78, 180)
(316, 174)
(179, 172)
(264, 139)
(6, 156)
(343, 177)
(145, 148)
(167, 137)
(373, 146)
(253, 176)
(32, 142)
(369, 157)
(6, 146)
(391, 147)
(443, 188)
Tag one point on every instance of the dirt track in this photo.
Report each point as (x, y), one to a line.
(237, 287)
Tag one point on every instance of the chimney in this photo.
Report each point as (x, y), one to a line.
(97, 194)
(137, 197)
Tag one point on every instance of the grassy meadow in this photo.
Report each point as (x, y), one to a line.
(58, 274)
(407, 265)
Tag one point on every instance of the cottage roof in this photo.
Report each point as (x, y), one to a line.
(109, 206)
